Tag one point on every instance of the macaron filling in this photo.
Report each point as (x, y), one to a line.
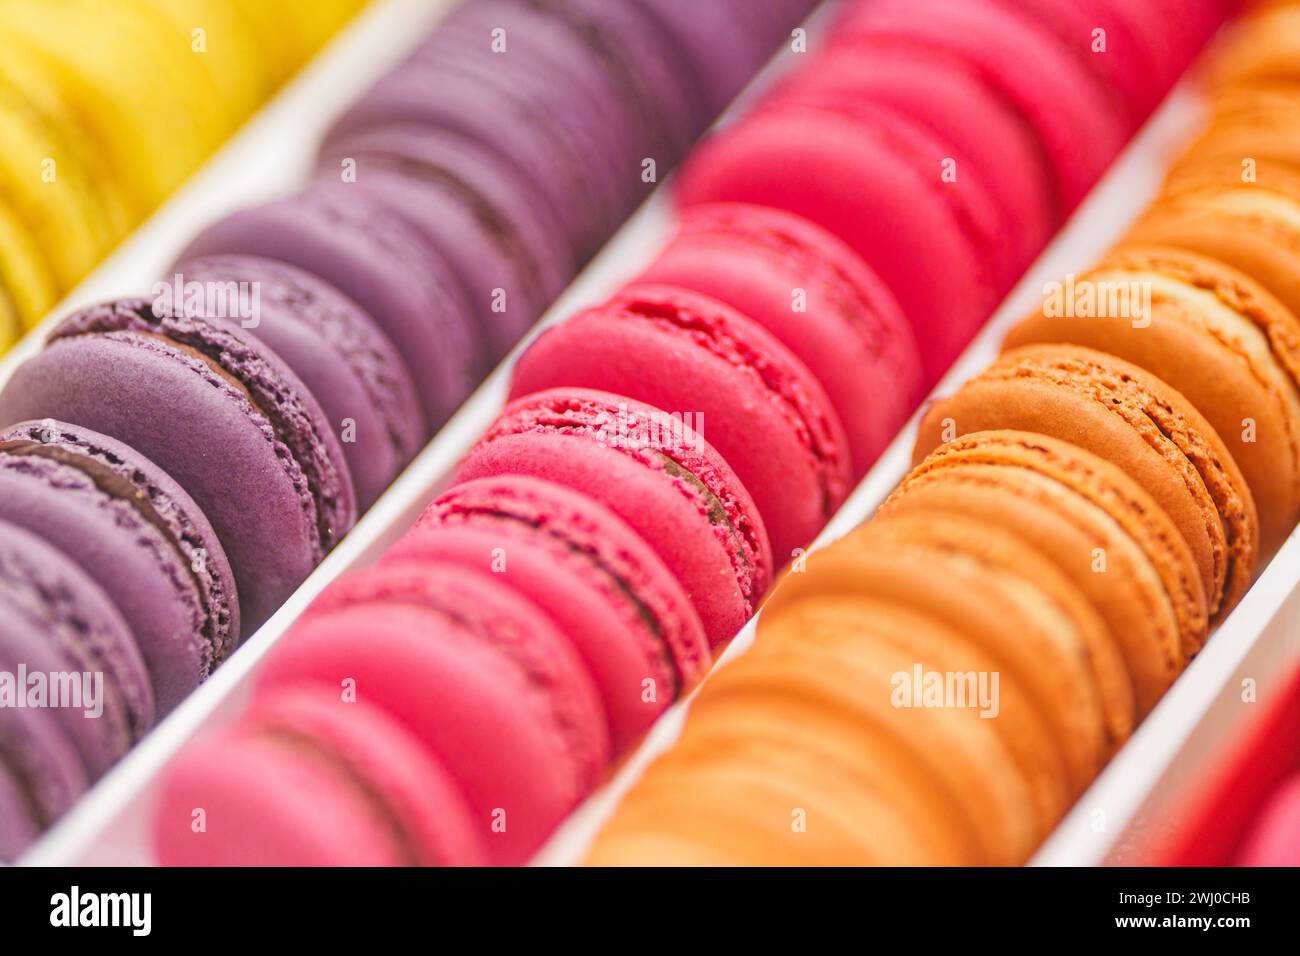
(194, 580)
(224, 355)
(714, 333)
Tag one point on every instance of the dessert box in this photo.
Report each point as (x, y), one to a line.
(1118, 820)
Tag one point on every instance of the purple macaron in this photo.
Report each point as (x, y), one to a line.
(353, 241)
(486, 220)
(331, 343)
(725, 41)
(137, 534)
(59, 627)
(217, 411)
(41, 773)
(541, 104)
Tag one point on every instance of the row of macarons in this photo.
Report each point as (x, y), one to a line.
(106, 108)
(941, 686)
(179, 463)
(663, 456)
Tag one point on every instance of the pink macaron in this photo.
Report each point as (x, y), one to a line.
(818, 298)
(586, 570)
(744, 392)
(1065, 104)
(475, 674)
(876, 180)
(658, 475)
(948, 97)
(311, 778)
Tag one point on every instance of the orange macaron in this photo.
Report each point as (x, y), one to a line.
(1222, 341)
(1132, 419)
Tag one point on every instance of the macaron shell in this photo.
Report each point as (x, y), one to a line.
(475, 211)
(1252, 229)
(847, 328)
(849, 670)
(761, 408)
(113, 544)
(164, 505)
(41, 772)
(1025, 567)
(1058, 721)
(56, 621)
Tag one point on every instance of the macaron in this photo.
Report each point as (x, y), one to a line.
(817, 298)
(1132, 419)
(62, 629)
(350, 366)
(137, 534)
(916, 231)
(1220, 339)
(655, 473)
(1264, 46)
(475, 209)
(460, 660)
(1253, 124)
(372, 255)
(828, 666)
(218, 412)
(758, 405)
(724, 42)
(1065, 104)
(1274, 840)
(1057, 724)
(1119, 496)
(1253, 227)
(1120, 579)
(533, 95)
(587, 571)
(1059, 606)
(377, 797)
(1111, 45)
(41, 773)
(949, 98)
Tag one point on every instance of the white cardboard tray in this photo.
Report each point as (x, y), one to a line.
(273, 154)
